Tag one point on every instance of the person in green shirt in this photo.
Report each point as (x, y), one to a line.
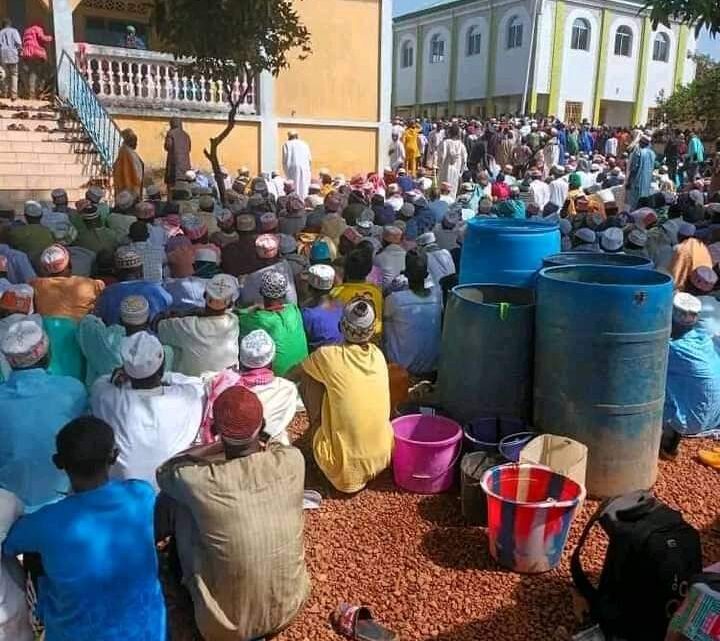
(281, 320)
(93, 235)
(573, 143)
(32, 238)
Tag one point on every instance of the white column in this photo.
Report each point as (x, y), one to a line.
(64, 40)
(386, 73)
(268, 122)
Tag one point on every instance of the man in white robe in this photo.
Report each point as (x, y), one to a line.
(296, 159)
(396, 153)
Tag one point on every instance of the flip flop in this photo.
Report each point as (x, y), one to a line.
(311, 500)
(357, 622)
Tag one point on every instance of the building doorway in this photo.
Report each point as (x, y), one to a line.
(573, 113)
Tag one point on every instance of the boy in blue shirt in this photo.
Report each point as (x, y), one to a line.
(99, 577)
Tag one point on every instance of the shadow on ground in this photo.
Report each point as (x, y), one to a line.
(531, 617)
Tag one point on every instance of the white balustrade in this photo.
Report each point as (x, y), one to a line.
(132, 78)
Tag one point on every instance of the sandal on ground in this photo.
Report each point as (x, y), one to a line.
(311, 500)
(357, 622)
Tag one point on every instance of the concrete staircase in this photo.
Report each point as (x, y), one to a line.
(33, 163)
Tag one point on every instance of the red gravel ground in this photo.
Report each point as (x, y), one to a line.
(429, 577)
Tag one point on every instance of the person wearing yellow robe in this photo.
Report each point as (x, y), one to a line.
(128, 168)
(353, 442)
(411, 140)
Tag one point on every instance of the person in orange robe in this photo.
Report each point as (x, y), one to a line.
(128, 168)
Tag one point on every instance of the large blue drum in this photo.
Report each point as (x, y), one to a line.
(598, 258)
(504, 251)
(487, 352)
(601, 352)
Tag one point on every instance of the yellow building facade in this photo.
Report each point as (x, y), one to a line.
(338, 98)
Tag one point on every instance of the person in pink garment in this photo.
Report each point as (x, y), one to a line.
(34, 55)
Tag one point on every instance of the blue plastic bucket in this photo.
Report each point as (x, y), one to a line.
(511, 446)
(484, 434)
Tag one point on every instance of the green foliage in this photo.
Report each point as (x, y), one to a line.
(697, 104)
(226, 37)
(701, 13)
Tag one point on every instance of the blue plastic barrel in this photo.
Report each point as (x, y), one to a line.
(504, 251)
(597, 259)
(486, 357)
(601, 352)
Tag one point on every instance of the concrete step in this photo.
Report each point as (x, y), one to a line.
(27, 105)
(41, 156)
(39, 183)
(49, 169)
(46, 147)
(43, 136)
(33, 124)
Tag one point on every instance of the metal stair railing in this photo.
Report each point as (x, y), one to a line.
(94, 118)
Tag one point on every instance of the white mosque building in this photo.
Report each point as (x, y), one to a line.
(582, 59)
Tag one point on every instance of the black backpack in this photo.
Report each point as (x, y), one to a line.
(652, 555)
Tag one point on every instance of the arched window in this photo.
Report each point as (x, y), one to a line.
(407, 55)
(514, 33)
(661, 47)
(580, 35)
(437, 49)
(623, 41)
(474, 40)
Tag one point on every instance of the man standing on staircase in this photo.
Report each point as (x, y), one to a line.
(178, 146)
(10, 45)
(34, 55)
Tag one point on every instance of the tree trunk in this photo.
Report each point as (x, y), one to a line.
(212, 153)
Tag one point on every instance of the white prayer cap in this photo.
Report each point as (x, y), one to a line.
(257, 349)
(33, 209)
(293, 132)
(134, 310)
(25, 344)
(190, 175)
(206, 255)
(686, 229)
(124, 199)
(223, 288)
(686, 309)
(638, 237)
(142, 355)
(324, 172)
(321, 277)
(423, 240)
(585, 235)
(612, 239)
(425, 183)
(393, 189)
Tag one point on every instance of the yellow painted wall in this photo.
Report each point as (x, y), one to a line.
(342, 151)
(340, 79)
(242, 147)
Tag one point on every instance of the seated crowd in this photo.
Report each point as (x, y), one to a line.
(154, 354)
